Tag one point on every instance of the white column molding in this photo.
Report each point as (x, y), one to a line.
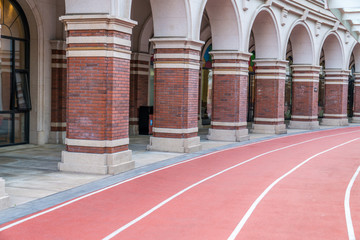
(174, 43)
(97, 143)
(175, 130)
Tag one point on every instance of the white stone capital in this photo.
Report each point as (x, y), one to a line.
(177, 43)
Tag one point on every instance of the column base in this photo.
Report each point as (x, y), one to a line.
(355, 119)
(335, 122)
(228, 135)
(269, 129)
(113, 163)
(4, 198)
(304, 125)
(57, 137)
(133, 130)
(180, 145)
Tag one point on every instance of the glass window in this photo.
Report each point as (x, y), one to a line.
(15, 104)
(22, 92)
(11, 20)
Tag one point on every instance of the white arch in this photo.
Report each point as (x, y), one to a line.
(333, 51)
(225, 23)
(355, 49)
(171, 18)
(302, 44)
(146, 33)
(266, 34)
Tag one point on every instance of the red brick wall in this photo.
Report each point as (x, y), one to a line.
(357, 95)
(229, 96)
(58, 90)
(98, 94)
(139, 87)
(176, 95)
(336, 95)
(305, 94)
(269, 94)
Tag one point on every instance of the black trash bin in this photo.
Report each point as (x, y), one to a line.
(144, 119)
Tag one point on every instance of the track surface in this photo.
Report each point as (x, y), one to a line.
(291, 187)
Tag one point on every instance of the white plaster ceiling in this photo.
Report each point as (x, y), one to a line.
(348, 12)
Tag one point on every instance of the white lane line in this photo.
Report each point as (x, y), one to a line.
(113, 234)
(349, 224)
(151, 172)
(258, 200)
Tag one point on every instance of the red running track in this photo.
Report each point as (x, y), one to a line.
(291, 187)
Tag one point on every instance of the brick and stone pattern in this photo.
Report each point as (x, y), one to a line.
(336, 97)
(230, 91)
(305, 92)
(176, 95)
(58, 91)
(98, 60)
(269, 97)
(356, 117)
(139, 88)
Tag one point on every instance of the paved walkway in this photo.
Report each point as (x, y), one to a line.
(289, 187)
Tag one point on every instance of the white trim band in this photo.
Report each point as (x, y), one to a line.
(272, 77)
(96, 143)
(305, 80)
(175, 130)
(269, 119)
(58, 65)
(58, 56)
(58, 124)
(195, 66)
(229, 124)
(176, 43)
(305, 75)
(176, 56)
(304, 117)
(139, 73)
(98, 39)
(231, 72)
(335, 115)
(133, 119)
(272, 71)
(231, 65)
(346, 78)
(336, 83)
(123, 54)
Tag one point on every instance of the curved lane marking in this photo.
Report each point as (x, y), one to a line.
(154, 171)
(267, 190)
(349, 224)
(124, 227)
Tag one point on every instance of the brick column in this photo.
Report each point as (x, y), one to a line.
(58, 91)
(98, 57)
(139, 87)
(356, 117)
(230, 89)
(305, 94)
(269, 96)
(4, 198)
(336, 96)
(176, 95)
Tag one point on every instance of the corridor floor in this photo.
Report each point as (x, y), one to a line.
(303, 186)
